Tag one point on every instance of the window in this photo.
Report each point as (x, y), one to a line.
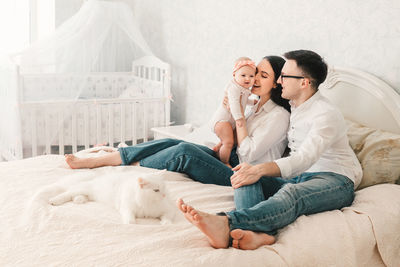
(14, 25)
(24, 21)
(42, 18)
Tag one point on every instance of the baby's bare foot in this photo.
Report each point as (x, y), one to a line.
(215, 227)
(229, 165)
(217, 147)
(244, 239)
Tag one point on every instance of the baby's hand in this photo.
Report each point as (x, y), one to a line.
(240, 122)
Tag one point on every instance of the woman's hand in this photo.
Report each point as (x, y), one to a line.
(226, 102)
(245, 174)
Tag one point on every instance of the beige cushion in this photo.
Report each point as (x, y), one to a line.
(378, 153)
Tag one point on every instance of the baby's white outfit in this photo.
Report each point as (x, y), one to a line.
(234, 91)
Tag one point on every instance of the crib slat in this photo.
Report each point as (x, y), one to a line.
(47, 131)
(153, 73)
(98, 124)
(110, 125)
(145, 123)
(86, 125)
(122, 117)
(74, 134)
(156, 114)
(167, 94)
(34, 131)
(61, 132)
(134, 137)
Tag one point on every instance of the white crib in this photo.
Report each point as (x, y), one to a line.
(113, 107)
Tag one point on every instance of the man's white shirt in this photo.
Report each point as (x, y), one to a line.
(318, 142)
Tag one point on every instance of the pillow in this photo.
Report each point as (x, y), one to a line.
(378, 152)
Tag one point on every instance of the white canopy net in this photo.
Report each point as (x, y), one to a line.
(101, 37)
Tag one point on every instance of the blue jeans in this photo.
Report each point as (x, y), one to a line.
(273, 203)
(199, 162)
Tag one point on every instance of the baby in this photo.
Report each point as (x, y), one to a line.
(238, 91)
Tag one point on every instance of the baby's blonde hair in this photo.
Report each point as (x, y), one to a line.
(241, 59)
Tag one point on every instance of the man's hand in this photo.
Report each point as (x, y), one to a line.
(245, 174)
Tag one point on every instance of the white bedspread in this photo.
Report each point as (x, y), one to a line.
(33, 233)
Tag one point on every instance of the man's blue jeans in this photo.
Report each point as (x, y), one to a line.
(273, 203)
(199, 162)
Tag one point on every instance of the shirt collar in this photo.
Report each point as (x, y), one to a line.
(267, 107)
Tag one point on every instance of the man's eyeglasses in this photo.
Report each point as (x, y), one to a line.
(291, 76)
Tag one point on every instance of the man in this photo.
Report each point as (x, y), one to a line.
(320, 173)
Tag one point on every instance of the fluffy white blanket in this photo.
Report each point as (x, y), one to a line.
(33, 233)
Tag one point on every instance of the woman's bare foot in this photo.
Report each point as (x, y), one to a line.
(244, 239)
(216, 228)
(111, 159)
(78, 163)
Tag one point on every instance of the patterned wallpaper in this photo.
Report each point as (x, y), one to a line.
(201, 39)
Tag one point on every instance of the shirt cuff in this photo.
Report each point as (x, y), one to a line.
(244, 149)
(285, 167)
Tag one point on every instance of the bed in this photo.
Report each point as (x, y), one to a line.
(33, 233)
(110, 108)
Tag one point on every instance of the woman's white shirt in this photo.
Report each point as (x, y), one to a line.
(267, 131)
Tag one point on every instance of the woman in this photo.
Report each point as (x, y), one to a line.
(262, 138)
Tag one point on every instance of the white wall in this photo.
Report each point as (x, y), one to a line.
(201, 38)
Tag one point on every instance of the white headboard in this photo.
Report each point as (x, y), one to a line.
(363, 98)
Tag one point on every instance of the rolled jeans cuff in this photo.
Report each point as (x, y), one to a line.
(122, 153)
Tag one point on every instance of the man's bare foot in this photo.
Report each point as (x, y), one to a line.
(78, 163)
(216, 228)
(244, 239)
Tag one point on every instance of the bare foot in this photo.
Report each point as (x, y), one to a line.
(229, 165)
(215, 227)
(244, 239)
(77, 163)
(217, 147)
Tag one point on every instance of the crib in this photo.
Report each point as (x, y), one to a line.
(112, 108)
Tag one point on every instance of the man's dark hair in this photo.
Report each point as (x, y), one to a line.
(312, 65)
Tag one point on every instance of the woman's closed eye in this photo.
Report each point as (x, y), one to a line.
(264, 74)
(156, 190)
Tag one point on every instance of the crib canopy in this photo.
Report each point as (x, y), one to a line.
(101, 39)
(101, 36)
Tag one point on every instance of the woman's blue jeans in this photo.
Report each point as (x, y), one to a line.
(199, 162)
(273, 203)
